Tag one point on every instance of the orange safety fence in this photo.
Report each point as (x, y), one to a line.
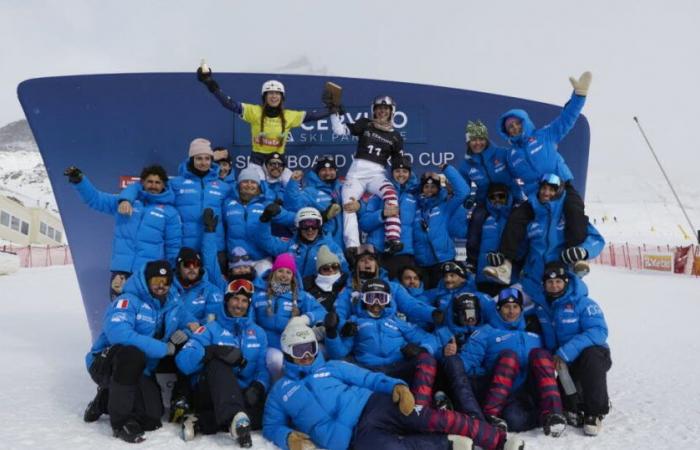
(682, 260)
(40, 255)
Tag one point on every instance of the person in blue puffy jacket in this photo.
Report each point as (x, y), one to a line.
(518, 370)
(227, 173)
(545, 238)
(431, 241)
(282, 299)
(534, 153)
(455, 279)
(150, 229)
(225, 360)
(329, 285)
(574, 329)
(321, 190)
(374, 212)
(198, 295)
(337, 405)
(145, 324)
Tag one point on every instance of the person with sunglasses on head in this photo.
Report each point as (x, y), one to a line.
(225, 360)
(431, 240)
(546, 241)
(532, 154)
(149, 228)
(518, 382)
(270, 122)
(374, 213)
(320, 189)
(573, 326)
(338, 405)
(141, 327)
(305, 244)
(282, 299)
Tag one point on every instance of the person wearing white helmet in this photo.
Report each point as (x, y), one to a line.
(270, 122)
(377, 142)
(336, 404)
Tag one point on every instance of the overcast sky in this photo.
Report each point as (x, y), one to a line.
(643, 54)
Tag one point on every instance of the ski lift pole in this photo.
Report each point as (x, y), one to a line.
(668, 180)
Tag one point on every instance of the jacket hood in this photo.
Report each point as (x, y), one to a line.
(312, 180)
(497, 322)
(297, 372)
(228, 322)
(528, 126)
(167, 197)
(575, 290)
(502, 210)
(184, 171)
(411, 186)
(137, 285)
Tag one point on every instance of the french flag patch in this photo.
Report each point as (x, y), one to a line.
(122, 304)
(200, 330)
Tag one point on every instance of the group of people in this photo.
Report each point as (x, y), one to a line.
(333, 314)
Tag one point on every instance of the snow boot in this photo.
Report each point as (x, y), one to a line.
(179, 407)
(574, 418)
(460, 442)
(130, 432)
(592, 425)
(442, 401)
(581, 268)
(513, 443)
(190, 428)
(97, 406)
(554, 425)
(393, 246)
(499, 274)
(498, 423)
(240, 430)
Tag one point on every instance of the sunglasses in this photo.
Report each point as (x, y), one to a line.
(375, 298)
(239, 258)
(238, 286)
(300, 351)
(329, 268)
(498, 196)
(194, 264)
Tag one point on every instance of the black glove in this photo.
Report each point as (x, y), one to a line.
(495, 258)
(572, 255)
(270, 211)
(331, 324)
(206, 78)
(226, 353)
(74, 174)
(469, 202)
(470, 267)
(348, 330)
(438, 316)
(255, 394)
(410, 351)
(210, 220)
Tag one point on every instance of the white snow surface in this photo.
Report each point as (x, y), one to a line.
(653, 336)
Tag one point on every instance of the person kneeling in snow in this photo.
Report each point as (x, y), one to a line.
(337, 405)
(226, 360)
(141, 327)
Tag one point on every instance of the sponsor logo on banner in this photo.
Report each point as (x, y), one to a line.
(658, 262)
(125, 180)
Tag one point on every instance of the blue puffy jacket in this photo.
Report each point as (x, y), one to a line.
(486, 344)
(440, 296)
(572, 322)
(135, 316)
(534, 152)
(317, 194)
(489, 166)
(153, 230)
(431, 240)
(323, 400)
(273, 312)
(545, 236)
(192, 195)
(461, 333)
(201, 298)
(240, 332)
(371, 218)
(491, 232)
(378, 341)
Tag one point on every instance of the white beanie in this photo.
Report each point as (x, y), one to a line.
(200, 146)
(250, 174)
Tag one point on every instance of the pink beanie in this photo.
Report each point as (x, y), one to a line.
(200, 146)
(285, 261)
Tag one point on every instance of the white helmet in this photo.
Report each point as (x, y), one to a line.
(308, 213)
(384, 100)
(272, 86)
(297, 333)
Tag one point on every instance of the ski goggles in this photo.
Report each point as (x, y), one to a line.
(309, 224)
(376, 298)
(300, 351)
(509, 295)
(329, 268)
(551, 178)
(240, 286)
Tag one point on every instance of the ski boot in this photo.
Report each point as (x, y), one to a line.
(498, 423)
(554, 425)
(190, 428)
(240, 430)
(97, 406)
(574, 418)
(592, 425)
(130, 432)
(179, 407)
(499, 274)
(442, 401)
(393, 246)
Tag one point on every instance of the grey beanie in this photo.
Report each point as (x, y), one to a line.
(325, 256)
(249, 173)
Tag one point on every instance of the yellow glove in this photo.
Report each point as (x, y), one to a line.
(403, 396)
(582, 84)
(299, 441)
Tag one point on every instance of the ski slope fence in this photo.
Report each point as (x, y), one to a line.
(40, 255)
(682, 260)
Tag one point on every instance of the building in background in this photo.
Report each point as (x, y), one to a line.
(24, 225)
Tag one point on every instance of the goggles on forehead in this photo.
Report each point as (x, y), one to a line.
(376, 298)
(240, 286)
(300, 351)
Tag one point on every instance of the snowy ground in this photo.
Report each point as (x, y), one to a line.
(653, 335)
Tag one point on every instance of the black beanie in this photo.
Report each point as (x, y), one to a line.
(159, 268)
(188, 254)
(453, 267)
(555, 269)
(401, 162)
(325, 161)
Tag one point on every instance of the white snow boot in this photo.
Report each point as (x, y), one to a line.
(460, 442)
(513, 443)
(240, 430)
(499, 274)
(189, 428)
(592, 425)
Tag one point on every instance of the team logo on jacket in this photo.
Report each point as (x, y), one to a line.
(122, 304)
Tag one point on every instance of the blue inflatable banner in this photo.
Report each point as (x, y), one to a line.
(111, 126)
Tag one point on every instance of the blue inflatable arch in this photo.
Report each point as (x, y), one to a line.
(111, 126)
